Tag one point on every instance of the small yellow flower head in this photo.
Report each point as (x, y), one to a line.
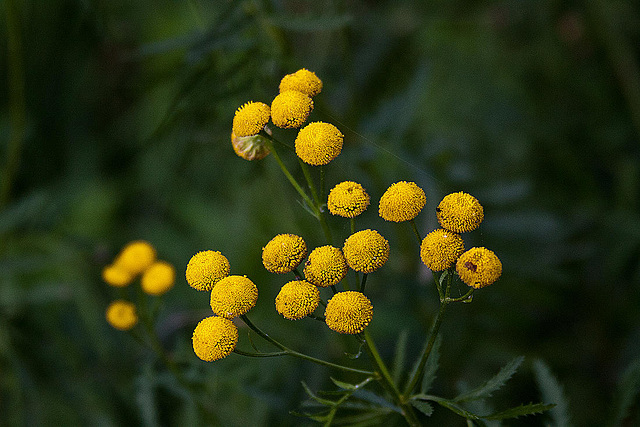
(122, 315)
(283, 253)
(366, 251)
(252, 147)
(251, 118)
(116, 276)
(205, 269)
(348, 312)
(214, 338)
(158, 279)
(348, 199)
(290, 109)
(326, 266)
(303, 80)
(403, 201)
(460, 212)
(440, 249)
(318, 143)
(479, 267)
(233, 296)
(297, 299)
(136, 257)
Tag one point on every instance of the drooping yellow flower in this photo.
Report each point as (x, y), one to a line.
(252, 147)
(136, 257)
(326, 266)
(348, 199)
(158, 278)
(479, 267)
(205, 269)
(348, 312)
(290, 109)
(318, 143)
(303, 80)
(116, 276)
(283, 253)
(251, 118)
(440, 249)
(121, 315)
(366, 251)
(403, 201)
(297, 299)
(233, 296)
(214, 338)
(460, 212)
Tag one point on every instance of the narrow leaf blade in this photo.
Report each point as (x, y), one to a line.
(493, 384)
(552, 392)
(519, 411)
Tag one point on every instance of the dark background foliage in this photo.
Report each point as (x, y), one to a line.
(114, 126)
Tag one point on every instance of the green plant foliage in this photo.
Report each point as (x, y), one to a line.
(551, 391)
(494, 383)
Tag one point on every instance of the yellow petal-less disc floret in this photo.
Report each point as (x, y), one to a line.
(252, 147)
(251, 118)
(326, 266)
(205, 269)
(348, 312)
(214, 338)
(318, 143)
(297, 299)
(121, 315)
(283, 253)
(158, 278)
(479, 267)
(348, 199)
(116, 276)
(136, 257)
(303, 80)
(403, 201)
(290, 109)
(366, 251)
(440, 249)
(460, 212)
(233, 296)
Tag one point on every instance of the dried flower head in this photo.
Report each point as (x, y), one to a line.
(283, 253)
(460, 212)
(348, 312)
(440, 249)
(116, 276)
(326, 266)
(318, 143)
(297, 299)
(122, 315)
(403, 201)
(205, 269)
(303, 80)
(158, 278)
(348, 199)
(366, 251)
(251, 118)
(136, 257)
(214, 338)
(479, 267)
(233, 296)
(290, 109)
(252, 147)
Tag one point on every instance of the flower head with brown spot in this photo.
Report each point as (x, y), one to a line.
(479, 267)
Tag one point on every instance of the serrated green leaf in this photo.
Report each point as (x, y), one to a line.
(343, 385)
(493, 384)
(552, 392)
(451, 405)
(423, 407)
(625, 395)
(432, 365)
(399, 356)
(519, 411)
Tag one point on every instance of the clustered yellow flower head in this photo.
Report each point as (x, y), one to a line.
(233, 296)
(283, 253)
(251, 118)
(440, 249)
(479, 267)
(348, 199)
(135, 257)
(348, 312)
(290, 109)
(116, 276)
(366, 251)
(403, 201)
(460, 212)
(303, 80)
(318, 143)
(122, 315)
(158, 278)
(214, 338)
(297, 299)
(326, 266)
(206, 268)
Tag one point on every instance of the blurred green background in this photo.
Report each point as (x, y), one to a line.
(114, 126)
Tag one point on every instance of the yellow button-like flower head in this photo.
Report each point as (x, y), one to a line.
(136, 257)
(290, 109)
(326, 266)
(205, 269)
(116, 276)
(303, 80)
(252, 147)
(479, 267)
(122, 315)
(233, 296)
(283, 253)
(403, 201)
(297, 299)
(251, 118)
(318, 143)
(158, 278)
(348, 312)
(348, 199)
(214, 338)
(366, 251)
(460, 212)
(440, 249)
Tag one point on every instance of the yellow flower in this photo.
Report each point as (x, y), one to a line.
(214, 338)
(252, 147)
(303, 80)
(283, 253)
(460, 212)
(297, 299)
(366, 251)
(348, 312)
(479, 267)
(136, 257)
(440, 249)
(251, 118)
(318, 143)
(348, 199)
(403, 201)
(233, 296)
(205, 269)
(290, 109)
(116, 276)
(122, 315)
(326, 266)
(158, 279)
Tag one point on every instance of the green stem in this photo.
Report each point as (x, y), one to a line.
(364, 282)
(415, 230)
(353, 224)
(318, 202)
(463, 298)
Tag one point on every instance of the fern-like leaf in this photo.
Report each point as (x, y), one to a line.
(493, 384)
